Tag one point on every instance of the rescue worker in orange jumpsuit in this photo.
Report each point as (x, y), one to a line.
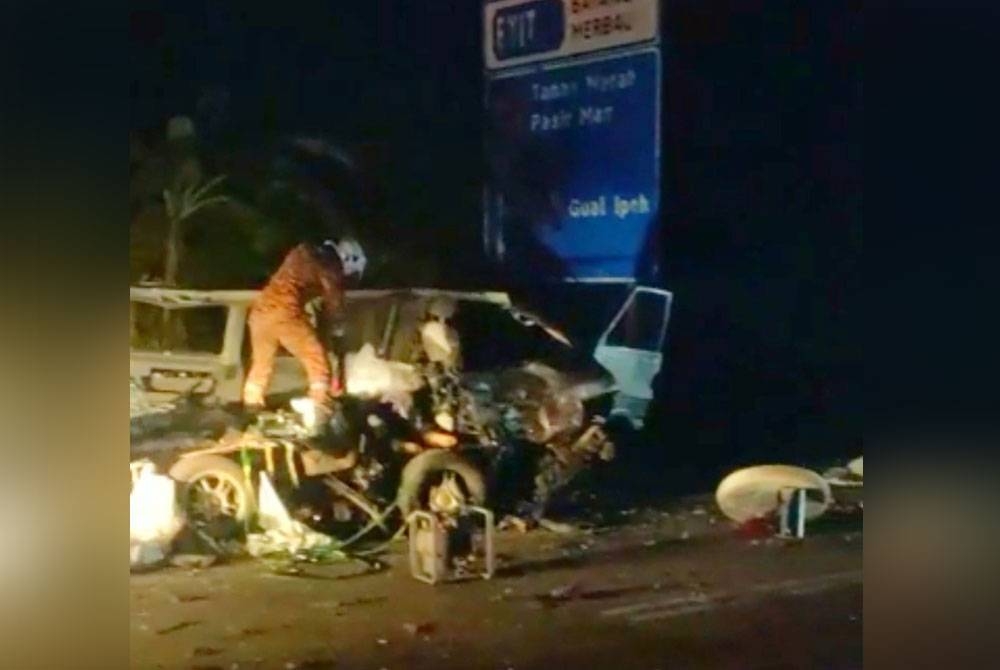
(278, 317)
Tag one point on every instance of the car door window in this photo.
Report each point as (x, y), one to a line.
(642, 324)
(196, 329)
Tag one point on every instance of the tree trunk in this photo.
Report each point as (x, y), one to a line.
(173, 253)
(173, 328)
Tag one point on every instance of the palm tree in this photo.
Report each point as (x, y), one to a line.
(181, 203)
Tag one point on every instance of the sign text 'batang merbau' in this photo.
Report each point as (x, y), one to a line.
(525, 31)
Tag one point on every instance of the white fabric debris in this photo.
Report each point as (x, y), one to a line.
(369, 376)
(154, 516)
(760, 491)
(282, 533)
(440, 343)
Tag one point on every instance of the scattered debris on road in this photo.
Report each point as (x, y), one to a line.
(556, 526)
(419, 628)
(176, 627)
(511, 522)
(282, 534)
(189, 598)
(205, 651)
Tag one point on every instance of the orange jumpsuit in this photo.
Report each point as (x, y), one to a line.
(278, 318)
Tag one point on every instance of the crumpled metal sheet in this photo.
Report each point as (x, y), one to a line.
(545, 404)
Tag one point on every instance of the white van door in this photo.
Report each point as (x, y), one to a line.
(631, 349)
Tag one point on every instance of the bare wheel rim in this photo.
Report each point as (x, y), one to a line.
(213, 495)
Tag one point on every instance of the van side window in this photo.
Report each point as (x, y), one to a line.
(195, 329)
(642, 325)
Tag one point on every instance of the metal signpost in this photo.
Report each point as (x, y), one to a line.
(573, 136)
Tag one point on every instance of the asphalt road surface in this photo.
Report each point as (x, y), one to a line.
(660, 589)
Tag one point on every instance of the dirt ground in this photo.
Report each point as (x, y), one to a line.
(659, 589)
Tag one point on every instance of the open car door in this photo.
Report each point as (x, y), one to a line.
(631, 349)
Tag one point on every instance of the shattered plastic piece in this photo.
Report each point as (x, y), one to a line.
(760, 491)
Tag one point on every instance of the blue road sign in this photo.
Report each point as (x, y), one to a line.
(573, 152)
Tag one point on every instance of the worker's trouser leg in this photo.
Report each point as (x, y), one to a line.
(263, 348)
(301, 341)
(298, 337)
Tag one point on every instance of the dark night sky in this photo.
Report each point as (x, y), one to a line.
(761, 176)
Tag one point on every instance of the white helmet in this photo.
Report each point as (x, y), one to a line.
(352, 256)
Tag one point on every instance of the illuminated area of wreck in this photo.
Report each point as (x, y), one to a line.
(494, 334)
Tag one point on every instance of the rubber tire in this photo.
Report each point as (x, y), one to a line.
(423, 466)
(187, 470)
